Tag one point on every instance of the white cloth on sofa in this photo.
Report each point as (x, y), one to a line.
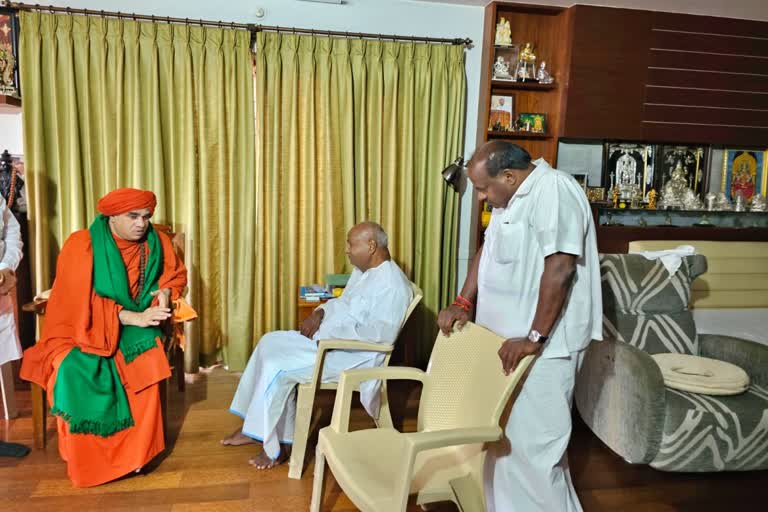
(670, 258)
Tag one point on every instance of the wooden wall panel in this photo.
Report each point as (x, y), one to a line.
(707, 81)
(665, 77)
(736, 100)
(608, 73)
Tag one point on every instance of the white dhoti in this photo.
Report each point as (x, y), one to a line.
(549, 214)
(266, 395)
(528, 472)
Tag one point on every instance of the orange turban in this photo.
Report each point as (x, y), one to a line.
(124, 200)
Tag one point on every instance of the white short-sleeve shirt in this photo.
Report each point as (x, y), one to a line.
(548, 214)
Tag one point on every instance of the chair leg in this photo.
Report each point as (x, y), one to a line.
(179, 364)
(38, 416)
(163, 391)
(385, 416)
(304, 402)
(318, 485)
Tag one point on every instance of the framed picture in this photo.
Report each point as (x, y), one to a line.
(628, 167)
(581, 179)
(536, 123)
(12, 182)
(9, 41)
(502, 113)
(744, 170)
(693, 160)
(504, 61)
(595, 194)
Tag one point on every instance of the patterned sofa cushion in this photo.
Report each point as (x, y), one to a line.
(646, 307)
(714, 433)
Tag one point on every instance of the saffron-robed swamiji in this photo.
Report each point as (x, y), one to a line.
(100, 356)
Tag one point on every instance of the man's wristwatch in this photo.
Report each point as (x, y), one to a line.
(536, 337)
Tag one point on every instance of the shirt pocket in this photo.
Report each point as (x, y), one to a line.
(510, 243)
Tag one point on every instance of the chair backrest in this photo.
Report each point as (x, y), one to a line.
(466, 385)
(737, 273)
(417, 296)
(646, 307)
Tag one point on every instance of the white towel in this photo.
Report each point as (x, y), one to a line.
(670, 258)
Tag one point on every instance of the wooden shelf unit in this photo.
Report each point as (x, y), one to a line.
(548, 29)
(9, 103)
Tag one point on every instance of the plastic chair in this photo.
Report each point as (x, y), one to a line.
(306, 392)
(464, 393)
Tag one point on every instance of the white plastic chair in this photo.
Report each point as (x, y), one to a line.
(305, 398)
(464, 393)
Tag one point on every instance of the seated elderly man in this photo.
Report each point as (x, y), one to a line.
(371, 308)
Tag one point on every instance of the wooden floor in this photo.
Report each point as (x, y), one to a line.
(198, 474)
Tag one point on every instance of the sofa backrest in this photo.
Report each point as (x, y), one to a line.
(645, 306)
(737, 274)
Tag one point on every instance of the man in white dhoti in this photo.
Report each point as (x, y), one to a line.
(10, 256)
(372, 308)
(535, 281)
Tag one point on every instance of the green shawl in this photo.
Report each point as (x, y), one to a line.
(88, 393)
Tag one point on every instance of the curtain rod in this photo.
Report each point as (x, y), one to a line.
(253, 28)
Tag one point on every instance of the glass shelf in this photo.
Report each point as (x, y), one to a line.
(680, 218)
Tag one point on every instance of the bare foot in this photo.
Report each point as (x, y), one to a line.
(262, 460)
(237, 438)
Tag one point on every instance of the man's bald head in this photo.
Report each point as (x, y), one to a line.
(500, 155)
(496, 171)
(367, 245)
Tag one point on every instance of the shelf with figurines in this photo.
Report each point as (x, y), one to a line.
(515, 67)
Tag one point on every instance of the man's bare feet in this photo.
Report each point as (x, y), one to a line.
(237, 438)
(262, 460)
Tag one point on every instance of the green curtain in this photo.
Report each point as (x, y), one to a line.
(350, 130)
(111, 103)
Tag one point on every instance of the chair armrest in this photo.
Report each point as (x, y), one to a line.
(751, 356)
(367, 346)
(620, 395)
(350, 380)
(323, 346)
(421, 441)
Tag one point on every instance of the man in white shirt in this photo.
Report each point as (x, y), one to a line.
(536, 282)
(372, 308)
(10, 256)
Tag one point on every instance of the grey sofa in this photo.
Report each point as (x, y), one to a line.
(620, 393)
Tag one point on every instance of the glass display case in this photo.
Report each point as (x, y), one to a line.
(607, 216)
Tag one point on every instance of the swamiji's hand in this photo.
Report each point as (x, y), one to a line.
(150, 317)
(452, 315)
(163, 297)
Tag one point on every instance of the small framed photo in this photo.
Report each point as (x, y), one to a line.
(9, 52)
(535, 123)
(581, 179)
(595, 194)
(502, 113)
(505, 58)
(744, 170)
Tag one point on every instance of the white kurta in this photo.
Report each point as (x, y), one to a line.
(10, 256)
(372, 308)
(549, 213)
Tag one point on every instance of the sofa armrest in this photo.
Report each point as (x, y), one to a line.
(620, 395)
(751, 356)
